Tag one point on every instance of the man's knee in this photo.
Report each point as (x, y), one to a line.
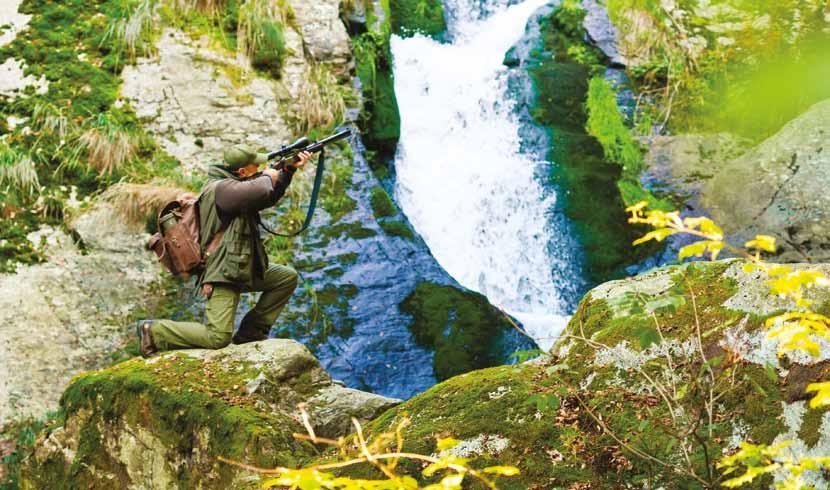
(284, 278)
(217, 340)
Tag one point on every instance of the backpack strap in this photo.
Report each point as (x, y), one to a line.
(312, 205)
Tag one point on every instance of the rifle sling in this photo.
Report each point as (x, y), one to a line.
(315, 192)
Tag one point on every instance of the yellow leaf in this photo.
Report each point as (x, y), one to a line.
(822, 397)
(502, 470)
(447, 443)
(696, 249)
(636, 207)
(658, 235)
(762, 242)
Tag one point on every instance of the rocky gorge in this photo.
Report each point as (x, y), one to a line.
(376, 310)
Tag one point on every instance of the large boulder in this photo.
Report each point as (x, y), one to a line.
(588, 417)
(780, 188)
(161, 423)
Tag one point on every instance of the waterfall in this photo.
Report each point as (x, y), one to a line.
(463, 180)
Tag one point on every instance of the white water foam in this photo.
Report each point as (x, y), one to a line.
(461, 177)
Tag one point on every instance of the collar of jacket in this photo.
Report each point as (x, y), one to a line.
(221, 172)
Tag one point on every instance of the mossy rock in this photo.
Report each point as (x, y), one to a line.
(461, 325)
(587, 418)
(164, 422)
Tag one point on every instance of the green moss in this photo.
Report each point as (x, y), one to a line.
(397, 228)
(334, 196)
(380, 120)
(382, 204)
(461, 326)
(418, 16)
(177, 400)
(591, 197)
(543, 412)
(347, 258)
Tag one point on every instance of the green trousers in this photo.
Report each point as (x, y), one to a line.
(276, 285)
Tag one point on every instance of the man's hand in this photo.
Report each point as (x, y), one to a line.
(302, 158)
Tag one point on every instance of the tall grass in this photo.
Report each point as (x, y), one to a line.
(18, 174)
(320, 101)
(259, 34)
(137, 202)
(103, 145)
(132, 32)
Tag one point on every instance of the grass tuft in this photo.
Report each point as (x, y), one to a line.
(137, 202)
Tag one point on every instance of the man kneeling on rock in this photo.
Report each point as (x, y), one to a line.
(232, 201)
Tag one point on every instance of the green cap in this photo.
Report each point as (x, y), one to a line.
(239, 156)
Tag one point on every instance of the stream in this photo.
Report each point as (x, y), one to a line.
(471, 185)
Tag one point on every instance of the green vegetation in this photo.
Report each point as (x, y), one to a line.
(397, 228)
(418, 16)
(382, 204)
(17, 439)
(593, 186)
(460, 326)
(380, 121)
(706, 65)
(605, 123)
(172, 401)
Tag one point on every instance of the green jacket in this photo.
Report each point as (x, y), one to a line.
(229, 200)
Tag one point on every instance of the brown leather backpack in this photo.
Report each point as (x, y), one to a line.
(177, 242)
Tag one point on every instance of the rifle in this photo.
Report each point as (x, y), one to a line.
(288, 153)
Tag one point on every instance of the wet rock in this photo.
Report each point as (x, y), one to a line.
(160, 422)
(685, 163)
(602, 32)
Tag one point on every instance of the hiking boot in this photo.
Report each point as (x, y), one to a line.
(244, 339)
(145, 338)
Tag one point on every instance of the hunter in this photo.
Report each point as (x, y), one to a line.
(232, 201)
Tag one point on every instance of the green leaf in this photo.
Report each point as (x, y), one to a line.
(771, 373)
(502, 470)
(647, 336)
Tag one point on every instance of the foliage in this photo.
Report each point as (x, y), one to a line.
(700, 62)
(417, 16)
(380, 119)
(16, 440)
(259, 34)
(606, 124)
(796, 330)
(321, 101)
(593, 200)
(357, 450)
(397, 228)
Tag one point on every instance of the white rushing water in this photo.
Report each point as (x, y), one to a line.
(462, 180)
